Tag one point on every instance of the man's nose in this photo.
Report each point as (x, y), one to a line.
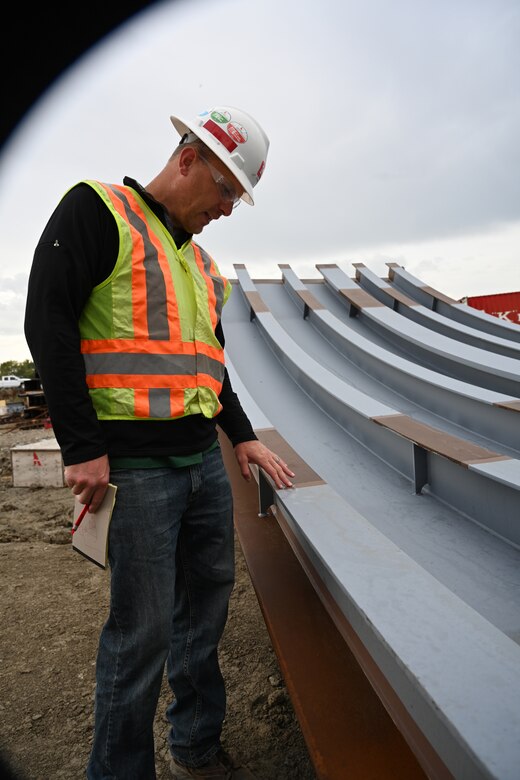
(226, 207)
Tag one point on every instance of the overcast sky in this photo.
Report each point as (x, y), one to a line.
(394, 131)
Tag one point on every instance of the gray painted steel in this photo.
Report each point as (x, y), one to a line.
(471, 407)
(354, 410)
(456, 674)
(431, 592)
(460, 312)
(463, 361)
(381, 290)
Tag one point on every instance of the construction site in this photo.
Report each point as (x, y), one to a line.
(375, 625)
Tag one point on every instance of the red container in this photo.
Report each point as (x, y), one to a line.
(505, 306)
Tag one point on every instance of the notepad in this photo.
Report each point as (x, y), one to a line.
(91, 538)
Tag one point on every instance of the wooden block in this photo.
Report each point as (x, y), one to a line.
(37, 465)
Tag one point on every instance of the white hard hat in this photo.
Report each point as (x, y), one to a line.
(236, 138)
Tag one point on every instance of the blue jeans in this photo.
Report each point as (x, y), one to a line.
(171, 552)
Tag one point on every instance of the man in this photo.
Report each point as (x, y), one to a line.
(123, 322)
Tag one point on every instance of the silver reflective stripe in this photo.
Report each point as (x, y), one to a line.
(218, 284)
(167, 365)
(159, 398)
(156, 309)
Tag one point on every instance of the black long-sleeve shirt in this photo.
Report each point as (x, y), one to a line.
(78, 250)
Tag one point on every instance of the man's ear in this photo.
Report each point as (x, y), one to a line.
(187, 158)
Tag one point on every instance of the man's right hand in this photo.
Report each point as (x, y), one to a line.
(88, 481)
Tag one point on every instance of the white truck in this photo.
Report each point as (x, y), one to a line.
(10, 380)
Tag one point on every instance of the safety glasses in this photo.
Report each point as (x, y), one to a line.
(226, 190)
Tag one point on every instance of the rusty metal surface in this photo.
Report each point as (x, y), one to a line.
(436, 294)
(452, 447)
(310, 299)
(347, 730)
(514, 405)
(361, 299)
(256, 302)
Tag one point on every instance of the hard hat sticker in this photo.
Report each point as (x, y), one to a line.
(221, 117)
(260, 170)
(220, 135)
(237, 132)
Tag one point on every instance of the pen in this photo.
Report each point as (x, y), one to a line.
(80, 518)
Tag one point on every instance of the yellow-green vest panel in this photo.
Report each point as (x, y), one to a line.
(148, 330)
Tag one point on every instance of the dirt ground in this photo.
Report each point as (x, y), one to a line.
(53, 603)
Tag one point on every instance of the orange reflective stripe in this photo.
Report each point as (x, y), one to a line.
(139, 298)
(171, 297)
(141, 403)
(213, 352)
(132, 346)
(177, 404)
(99, 346)
(212, 300)
(147, 381)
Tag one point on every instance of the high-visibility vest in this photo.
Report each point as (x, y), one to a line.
(148, 330)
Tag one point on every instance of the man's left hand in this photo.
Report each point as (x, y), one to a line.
(255, 452)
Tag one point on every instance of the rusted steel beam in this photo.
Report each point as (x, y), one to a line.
(347, 730)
